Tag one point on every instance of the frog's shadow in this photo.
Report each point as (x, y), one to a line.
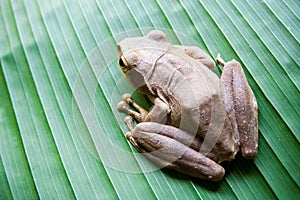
(237, 167)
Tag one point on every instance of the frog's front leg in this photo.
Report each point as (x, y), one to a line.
(241, 106)
(162, 144)
(158, 113)
(141, 115)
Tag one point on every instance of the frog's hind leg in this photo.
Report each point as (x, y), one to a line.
(241, 106)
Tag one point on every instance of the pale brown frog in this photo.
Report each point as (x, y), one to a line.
(198, 119)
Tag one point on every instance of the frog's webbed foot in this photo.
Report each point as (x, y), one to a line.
(141, 115)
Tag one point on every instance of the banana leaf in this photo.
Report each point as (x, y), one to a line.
(61, 136)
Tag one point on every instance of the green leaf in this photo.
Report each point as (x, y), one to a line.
(61, 136)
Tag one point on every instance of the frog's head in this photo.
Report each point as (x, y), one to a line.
(137, 55)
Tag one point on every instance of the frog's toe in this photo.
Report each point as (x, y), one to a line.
(122, 106)
(128, 135)
(128, 119)
(126, 96)
(249, 153)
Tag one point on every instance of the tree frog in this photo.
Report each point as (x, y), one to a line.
(197, 120)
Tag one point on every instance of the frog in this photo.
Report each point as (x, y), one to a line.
(198, 119)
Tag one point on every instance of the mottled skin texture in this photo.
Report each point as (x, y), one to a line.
(198, 120)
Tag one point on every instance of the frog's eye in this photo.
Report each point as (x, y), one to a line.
(123, 62)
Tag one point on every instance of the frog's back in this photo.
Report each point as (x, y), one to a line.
(185, 79)
(186, 85)
(194, 94)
